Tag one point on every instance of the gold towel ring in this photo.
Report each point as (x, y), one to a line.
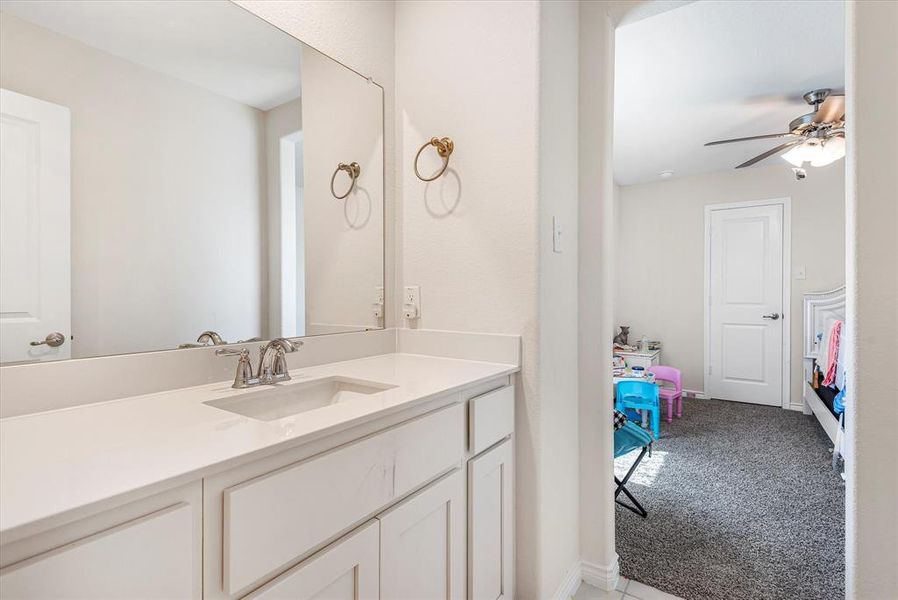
(353, 170)
(444, 147)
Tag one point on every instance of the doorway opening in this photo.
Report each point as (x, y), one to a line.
(722, 253)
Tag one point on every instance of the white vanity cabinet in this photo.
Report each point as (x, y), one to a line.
(491, 496)
(146, 549)
(413, 504)
(266, 516)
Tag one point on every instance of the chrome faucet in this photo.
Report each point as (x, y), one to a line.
(210, 336)
(272, 363)
(273, 360)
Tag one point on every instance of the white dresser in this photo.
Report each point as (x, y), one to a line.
(641, 359)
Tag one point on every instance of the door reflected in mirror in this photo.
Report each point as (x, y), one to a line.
(170, 178)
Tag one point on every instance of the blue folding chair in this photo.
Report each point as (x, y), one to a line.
(640, 395)
(626, 439)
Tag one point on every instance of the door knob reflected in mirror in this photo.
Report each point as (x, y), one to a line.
(54, 340)
(772, 316)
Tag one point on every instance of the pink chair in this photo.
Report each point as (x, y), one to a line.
(670, 375)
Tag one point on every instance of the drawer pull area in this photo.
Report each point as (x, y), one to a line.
(491, 418)
(272, 520)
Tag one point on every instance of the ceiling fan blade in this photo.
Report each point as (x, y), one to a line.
(770, 153)
(832, 109)
(754, 137)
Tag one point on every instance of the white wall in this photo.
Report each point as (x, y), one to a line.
(469, 238)
(475, 239)
(660, 259)
(152, 158)
(595, 280)
(558, 384)
(342, 115)
(872, 224)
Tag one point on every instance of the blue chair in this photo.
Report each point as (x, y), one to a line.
(640, 395)
(626, 439)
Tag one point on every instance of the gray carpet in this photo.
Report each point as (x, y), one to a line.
(742, 504)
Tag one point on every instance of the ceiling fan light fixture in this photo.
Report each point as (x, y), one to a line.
(795, 156)
(810, 150)
(833, 149)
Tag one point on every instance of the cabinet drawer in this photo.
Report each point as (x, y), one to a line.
(491, 418)
(272, 520)
(150, 557)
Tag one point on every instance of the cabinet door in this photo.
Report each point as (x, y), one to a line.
(151, 557)
(490, 524)
(422, 548)
(348, 569)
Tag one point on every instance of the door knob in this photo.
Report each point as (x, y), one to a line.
(772, 316)
(53, 340)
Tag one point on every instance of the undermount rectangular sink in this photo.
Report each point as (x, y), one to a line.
(277, 402)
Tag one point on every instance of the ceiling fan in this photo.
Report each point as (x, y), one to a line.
(817, 138)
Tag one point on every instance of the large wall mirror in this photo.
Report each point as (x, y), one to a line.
(176, 174)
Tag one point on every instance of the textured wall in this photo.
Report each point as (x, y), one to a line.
(469, 71)
(500, 78)
(872, 224)
(596, 268)
(558, 186)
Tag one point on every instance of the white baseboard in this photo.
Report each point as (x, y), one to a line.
(695, 394)
(569, 584)
(603, 577)
(799, 407)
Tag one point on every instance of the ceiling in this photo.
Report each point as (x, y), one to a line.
(213, 44)
(713, 70)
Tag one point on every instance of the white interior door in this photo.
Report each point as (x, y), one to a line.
(745, 295)
(35, 292)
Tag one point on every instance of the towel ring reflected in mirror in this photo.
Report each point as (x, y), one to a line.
(444, 147)
(353, 170)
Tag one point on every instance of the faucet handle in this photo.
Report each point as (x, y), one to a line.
(279, 370)
(244, 377)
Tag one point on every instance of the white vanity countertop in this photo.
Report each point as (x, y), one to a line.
(60, 461)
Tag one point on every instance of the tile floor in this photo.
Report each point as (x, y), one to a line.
(626, 590)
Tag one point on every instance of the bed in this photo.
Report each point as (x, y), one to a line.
(820, 309)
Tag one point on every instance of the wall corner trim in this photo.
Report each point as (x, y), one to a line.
(604, 577)
(569, 584)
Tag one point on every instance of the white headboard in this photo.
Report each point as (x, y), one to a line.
(820, 309)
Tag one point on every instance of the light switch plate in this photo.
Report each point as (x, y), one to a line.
(800, 273)
(557, 236)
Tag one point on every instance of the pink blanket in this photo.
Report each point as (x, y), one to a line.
(832, 359)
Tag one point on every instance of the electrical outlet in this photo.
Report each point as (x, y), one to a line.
(411, 302)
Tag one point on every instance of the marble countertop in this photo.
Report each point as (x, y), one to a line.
(60, 461)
